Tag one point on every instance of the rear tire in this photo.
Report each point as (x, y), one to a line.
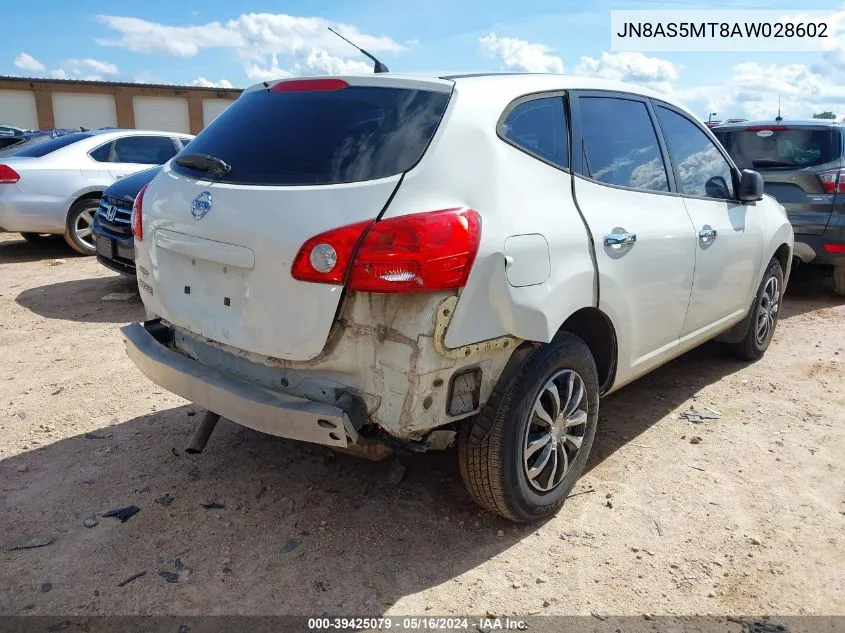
(79, 233)
(766, 311)
(501, 451)
(839, 281)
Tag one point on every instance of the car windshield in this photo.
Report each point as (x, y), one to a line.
(780, 147)
(37, 150)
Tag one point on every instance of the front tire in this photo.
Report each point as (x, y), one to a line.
(79, 229)
(766, 311)
(524, 452)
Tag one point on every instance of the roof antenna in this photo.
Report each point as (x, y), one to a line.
(778, 118)
(378, 68)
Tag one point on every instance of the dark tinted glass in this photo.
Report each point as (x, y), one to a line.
(42, 149)
(784, 148)
(539, 127)
(149, 150)
(620, 144)
(316, 138)
(702, 170)
(102, 153)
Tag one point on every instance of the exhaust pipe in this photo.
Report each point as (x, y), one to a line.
(203, 431)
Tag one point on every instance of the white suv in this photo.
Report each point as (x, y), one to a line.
(391, 260)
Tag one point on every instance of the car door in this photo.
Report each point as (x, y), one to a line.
(729, 238)
(643, 238)
(130, 154)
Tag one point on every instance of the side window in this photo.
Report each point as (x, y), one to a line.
(620, 145)
(539, 127)
(702, 170)
(185, 141)
(149, 150)
(101, 154)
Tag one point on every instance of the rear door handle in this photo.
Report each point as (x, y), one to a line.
(707, 234)
(618, 240)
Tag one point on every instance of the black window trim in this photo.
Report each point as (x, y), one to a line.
(535, 96)
(712, 138)
(576, 157)
(176, 146)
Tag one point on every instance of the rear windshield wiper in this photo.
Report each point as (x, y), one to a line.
(204, 162)
(771, 162)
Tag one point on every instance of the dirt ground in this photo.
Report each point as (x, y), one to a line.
(750, 519)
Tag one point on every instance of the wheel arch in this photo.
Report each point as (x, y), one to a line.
(596, 329)
(94, 193)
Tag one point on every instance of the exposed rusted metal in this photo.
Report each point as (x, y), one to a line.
(443, 317)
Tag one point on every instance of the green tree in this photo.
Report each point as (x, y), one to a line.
(825, 115)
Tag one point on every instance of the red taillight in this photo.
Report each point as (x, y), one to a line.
(833, 181)
(315, 262)
(309, 85)
(412, 253)
(8, 176)
(138, 214)
(760, 128)
(835, 248)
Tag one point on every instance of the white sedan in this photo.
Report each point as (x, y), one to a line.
(54, 187)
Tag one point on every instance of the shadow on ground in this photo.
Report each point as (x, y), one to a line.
(81, 300)
(301, 530)
(21, 251)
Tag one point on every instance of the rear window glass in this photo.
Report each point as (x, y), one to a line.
(773, 148)
(321, 137)
(42, 149)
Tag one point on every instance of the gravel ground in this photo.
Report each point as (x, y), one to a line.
(741, 514)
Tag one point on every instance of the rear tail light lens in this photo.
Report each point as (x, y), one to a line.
(835, 248)
(138, 214)
(314, 260)
(412, 253)
(8, 176)
(833, 181)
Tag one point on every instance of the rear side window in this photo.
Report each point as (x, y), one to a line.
(42, 149)
(772, 147)
(701, 168)
(620, 145)
(147, 150)
(538, 126)
(321, 137)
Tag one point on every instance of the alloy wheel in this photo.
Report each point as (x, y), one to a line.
(555, 430)
(767, 310)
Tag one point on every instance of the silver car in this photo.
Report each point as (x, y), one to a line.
(54, 187)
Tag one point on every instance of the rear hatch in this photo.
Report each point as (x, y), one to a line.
(303, 157)
(800, 165)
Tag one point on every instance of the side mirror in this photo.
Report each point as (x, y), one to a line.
(750, 186)
(717, 187)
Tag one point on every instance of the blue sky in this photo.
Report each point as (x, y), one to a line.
(225, 43)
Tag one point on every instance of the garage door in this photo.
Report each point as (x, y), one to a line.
(211, 108)
(83, 110)
(161, 113)
(17, 107)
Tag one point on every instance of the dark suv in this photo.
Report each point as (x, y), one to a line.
(803, 166)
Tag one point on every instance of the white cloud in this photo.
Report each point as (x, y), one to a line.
(29, 63)
(517, 54)
(752, 91)
(87, 65)
(634, 67)
(58, 73)
(202, 82)
(142, 36)
(260, 40)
